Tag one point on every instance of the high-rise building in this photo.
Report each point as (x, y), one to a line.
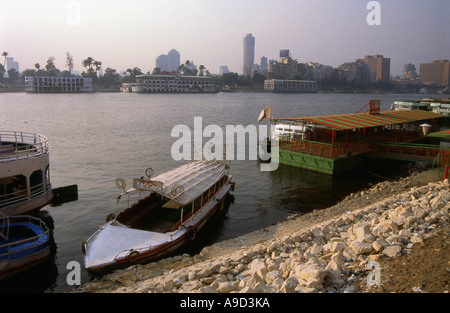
(437, 73)
(163, 62)
(249, 54)
(380, 65)
(174, 60)
(223, 69)
(168, 62)
(264, 67)
(11, 64)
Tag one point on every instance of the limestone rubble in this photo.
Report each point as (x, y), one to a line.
(321, 258)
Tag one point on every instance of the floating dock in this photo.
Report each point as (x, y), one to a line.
(334, 144)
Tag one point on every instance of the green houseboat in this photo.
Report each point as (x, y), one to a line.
(337, 143)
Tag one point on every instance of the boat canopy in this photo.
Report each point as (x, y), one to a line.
(441, 134)
(364, 120)
(185, 183)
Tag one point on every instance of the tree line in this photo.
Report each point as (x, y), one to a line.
(110, 78)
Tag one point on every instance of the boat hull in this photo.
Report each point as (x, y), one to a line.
(24, 243)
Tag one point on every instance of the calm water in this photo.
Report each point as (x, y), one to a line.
(97, 137)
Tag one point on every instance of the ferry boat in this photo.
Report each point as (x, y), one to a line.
(24, 243)
(436, 105)
(290, 86)
(171, 84)
(52, 84)
(24, 172)
(176, 205)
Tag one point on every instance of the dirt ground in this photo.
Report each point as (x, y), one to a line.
(426, 269)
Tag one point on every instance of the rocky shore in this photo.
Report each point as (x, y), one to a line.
(392, 237)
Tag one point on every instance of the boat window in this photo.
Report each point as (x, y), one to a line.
(13, 189)
(36, 183)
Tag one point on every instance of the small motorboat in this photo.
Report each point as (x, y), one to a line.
(175, 206)
(24, 242)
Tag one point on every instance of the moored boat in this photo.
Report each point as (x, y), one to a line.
(24, 173)
(24, 242)
(177, 204)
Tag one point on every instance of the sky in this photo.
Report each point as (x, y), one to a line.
(133, 33)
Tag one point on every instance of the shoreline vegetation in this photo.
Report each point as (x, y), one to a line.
(402, 225)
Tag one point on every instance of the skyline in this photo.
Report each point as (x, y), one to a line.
(134, 33)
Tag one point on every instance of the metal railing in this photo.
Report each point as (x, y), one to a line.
(31, 244)
(16, 145)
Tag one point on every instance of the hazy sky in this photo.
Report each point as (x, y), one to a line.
(124, 34)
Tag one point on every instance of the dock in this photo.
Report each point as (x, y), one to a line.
(334, 144)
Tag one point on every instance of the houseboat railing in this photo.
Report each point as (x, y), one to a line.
(413, 152)
(19, 145)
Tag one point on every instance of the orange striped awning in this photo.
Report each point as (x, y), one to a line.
(366, 120)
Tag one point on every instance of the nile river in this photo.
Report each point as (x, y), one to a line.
(97, 137)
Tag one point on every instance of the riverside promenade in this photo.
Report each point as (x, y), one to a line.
(401, 225)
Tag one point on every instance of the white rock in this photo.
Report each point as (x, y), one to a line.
(392, 251)
(361, 247)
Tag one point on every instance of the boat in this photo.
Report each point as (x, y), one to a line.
(171, 84)
(175, 206)
(24, 243)
(335, 144)
(436, 105)
(45, 84)
(24, 173)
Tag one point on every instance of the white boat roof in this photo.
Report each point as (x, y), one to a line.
(194, 177)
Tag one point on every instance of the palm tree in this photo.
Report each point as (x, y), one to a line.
(88, 64)
(4, 54)
(69, 62)
(201, 69)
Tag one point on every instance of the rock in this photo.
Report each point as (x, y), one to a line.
(380, 244)
(416, 239)
(392, 251)
(289, 285)
(227, 287)
(361, 247)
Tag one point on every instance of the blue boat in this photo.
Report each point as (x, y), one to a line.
(24, 242)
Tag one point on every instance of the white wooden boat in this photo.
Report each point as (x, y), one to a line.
(24, 242)
(176, 205)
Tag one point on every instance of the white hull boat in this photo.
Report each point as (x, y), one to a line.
(178, 204)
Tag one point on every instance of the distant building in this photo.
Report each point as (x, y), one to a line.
(409, 72)
(358, 73)
(223, 70)
(11, 64)
(264, 66)
(249, 54)
(168, 62)
(290, 86)
(437, 73)
(285, 68)
(380, 65)
(173, 60)
(44, 84)
(163, 62)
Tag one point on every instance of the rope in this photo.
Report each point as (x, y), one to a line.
(387, 178)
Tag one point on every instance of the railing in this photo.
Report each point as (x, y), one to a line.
(32, 244)
(412, 152)
(325, 150)
(19, 145)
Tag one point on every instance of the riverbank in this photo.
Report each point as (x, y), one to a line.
(402, 225)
